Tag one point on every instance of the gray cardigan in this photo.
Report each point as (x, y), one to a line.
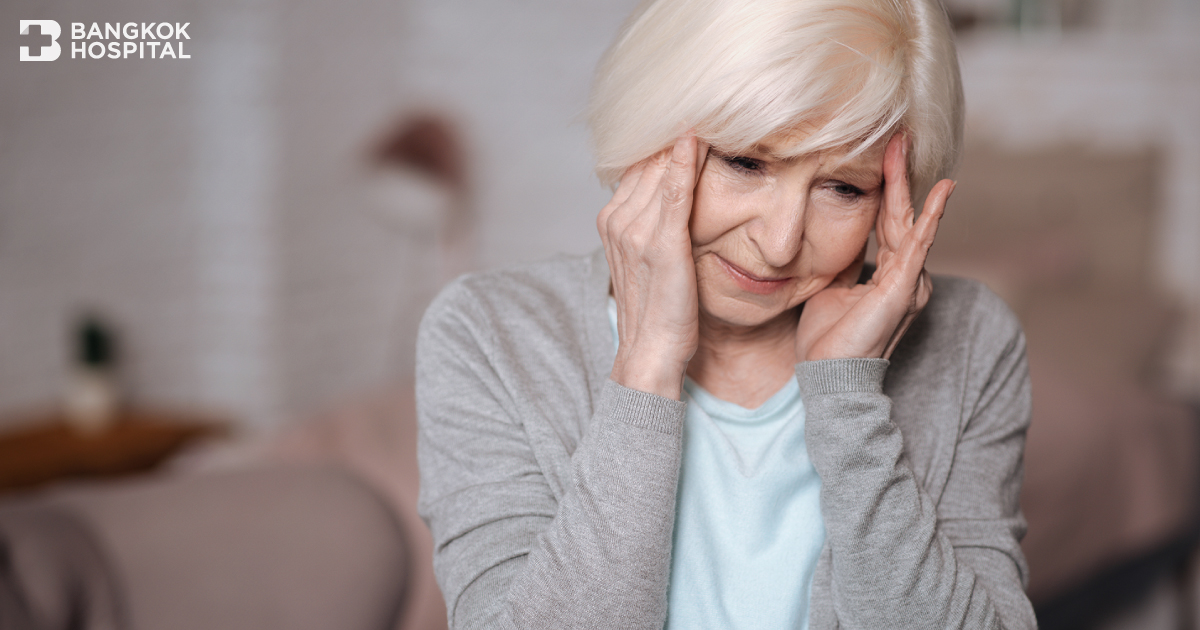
(550, 489)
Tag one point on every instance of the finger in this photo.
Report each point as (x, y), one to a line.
(935, 209)
(653, 170)
(701, 158)
(924, 291)
(650, 176)
(895, 174)
(910, 260)
(882, 258)
(896, 215)
(629, 181)
(680, 180)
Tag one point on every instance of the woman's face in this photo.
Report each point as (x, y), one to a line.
(769, 233)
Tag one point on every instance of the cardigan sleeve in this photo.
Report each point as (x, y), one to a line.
(900, 558)
(508, 553)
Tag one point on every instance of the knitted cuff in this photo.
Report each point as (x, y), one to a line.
(640, 409)
(836, 376)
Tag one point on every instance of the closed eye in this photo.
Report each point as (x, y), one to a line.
(847, 191)
(743, 163)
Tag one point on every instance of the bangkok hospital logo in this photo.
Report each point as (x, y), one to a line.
(112, 40)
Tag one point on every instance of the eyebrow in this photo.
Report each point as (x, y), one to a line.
(855, 171)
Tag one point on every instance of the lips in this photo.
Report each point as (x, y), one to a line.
(751, 283)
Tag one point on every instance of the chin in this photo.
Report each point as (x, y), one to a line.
(743, 311)
(723, 300)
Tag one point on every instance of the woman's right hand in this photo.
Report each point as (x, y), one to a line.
(644, 229)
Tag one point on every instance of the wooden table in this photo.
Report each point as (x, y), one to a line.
(44, 448)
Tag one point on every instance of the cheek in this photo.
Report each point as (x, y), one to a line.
(717, 208)
(835, 242)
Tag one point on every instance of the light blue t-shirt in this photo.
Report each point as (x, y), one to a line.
(748, 528)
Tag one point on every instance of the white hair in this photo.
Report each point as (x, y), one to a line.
(740, 71)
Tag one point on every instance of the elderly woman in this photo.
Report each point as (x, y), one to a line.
(725, 419)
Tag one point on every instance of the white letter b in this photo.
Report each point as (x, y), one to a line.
(48, 52)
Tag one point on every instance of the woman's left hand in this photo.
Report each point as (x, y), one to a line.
(848, 320)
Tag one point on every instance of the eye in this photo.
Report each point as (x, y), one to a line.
(846, 191)
(743, 163)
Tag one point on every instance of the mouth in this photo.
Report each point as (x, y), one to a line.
(751, 283)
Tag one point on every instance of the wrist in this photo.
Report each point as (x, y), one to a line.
(826, 352)
(649, 372)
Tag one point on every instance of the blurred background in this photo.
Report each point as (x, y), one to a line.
(213, 269)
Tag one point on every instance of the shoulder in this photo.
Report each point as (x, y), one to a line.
(512, 343)
(516, 291)
(964, 327)
(960, 369)
(959, 310)
(952, 352)
(968, 307)
(512, 312)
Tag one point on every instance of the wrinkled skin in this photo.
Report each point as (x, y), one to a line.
(733, 268)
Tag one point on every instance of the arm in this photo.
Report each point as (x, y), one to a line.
(896, 552)
(509, 551)
(898, 555)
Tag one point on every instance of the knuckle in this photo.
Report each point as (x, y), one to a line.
(674, 194)
(639, 237)
(613, 226)
(603, 217)
(680, 160)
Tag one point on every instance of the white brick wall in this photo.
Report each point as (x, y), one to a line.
(221, 211)
(94, 190)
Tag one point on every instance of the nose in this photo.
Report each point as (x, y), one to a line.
(778, 230)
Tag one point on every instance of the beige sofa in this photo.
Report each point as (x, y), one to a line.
(280, 546)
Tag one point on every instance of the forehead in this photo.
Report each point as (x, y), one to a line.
(850, 156)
